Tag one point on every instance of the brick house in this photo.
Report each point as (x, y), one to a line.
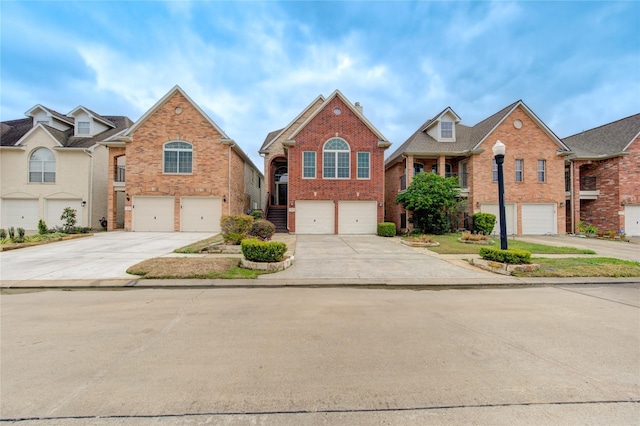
(602, 173)
(325, 170)
(176, 170)
(50, 161)
(533, 168)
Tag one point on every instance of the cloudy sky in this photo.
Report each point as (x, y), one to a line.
(253, 66)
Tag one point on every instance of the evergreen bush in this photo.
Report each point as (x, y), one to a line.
(387, 229)
(263, 251)
(511, 256)
(42, 227)
(483, 223)
(263, 229)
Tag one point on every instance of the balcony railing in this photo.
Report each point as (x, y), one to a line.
(119, 174)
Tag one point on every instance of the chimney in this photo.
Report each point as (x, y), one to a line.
(359, 108)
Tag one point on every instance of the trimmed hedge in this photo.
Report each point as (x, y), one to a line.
(263, 229)
(387, 229)
(262, 251)
(484, 222)
(511, 256)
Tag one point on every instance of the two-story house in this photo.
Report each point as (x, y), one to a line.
(325, 170)
(602, 173)
(51, 161)
(175, 169)
(533, 167)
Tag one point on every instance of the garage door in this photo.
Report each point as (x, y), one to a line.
(153, 214)
(20, 214)
(315, 217)
(200, 214)
(632, 221)
(54, 209)
(510, 212)
(357, 217)
(539, 219)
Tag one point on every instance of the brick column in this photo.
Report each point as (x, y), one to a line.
(575, 194)
(442, 166)
(409, 169)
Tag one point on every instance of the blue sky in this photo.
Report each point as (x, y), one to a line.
(253, 66)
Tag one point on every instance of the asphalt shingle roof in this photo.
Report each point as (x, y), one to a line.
(608, 139)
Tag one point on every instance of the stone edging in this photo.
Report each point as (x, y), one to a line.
(14, 246)
(267, 266)
(419, 244)
(479, 242)
(503, 268)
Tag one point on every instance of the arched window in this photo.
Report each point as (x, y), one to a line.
(42, 166)
(336, 159)
(178, 157)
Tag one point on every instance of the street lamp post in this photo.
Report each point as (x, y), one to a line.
(498, 153)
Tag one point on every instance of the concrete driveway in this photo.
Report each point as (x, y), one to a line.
(369, 257)
(105, 255)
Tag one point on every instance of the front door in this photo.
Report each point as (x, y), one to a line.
(281, 197)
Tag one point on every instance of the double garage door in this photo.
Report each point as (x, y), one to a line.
(25, 213)
(537, 218)
(157, 214)
(318, 217)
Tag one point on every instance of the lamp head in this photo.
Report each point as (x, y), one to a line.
(499, 148)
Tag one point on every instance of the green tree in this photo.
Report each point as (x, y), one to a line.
(431, 198)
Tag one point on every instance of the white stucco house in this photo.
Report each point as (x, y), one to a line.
(49, 161)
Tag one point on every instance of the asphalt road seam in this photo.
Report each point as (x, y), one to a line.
(597, 297)
(329, 411)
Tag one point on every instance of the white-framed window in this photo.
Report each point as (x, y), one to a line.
(446, 129)
(364, 159)
(335, 159)
(418, 168)
(84, 127)
(519, 170)
(43, 122)
(542, 170)
(463, 174)
(42, 166)
(308, 164)
(178, 158)
(494, 169)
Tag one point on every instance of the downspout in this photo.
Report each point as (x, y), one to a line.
(90, 202)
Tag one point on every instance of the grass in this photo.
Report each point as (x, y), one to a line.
(198, 246)
(583, 267)
(189, 268)
(449, 244)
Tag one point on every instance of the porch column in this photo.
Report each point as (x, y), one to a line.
(575, 194)
(442, 166)
(409, 169)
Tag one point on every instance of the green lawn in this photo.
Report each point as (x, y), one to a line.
(583, 267)
(449, 244)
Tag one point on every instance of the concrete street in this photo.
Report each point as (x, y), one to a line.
(533, 356)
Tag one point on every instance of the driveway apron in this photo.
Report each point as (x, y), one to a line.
(366, 257)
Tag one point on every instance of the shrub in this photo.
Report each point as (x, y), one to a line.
(484, 222)
(42, 227)
(69, 217)
(20, 235)
(419, 238)
(468, 236)
(257, 214)
(387, 229)
(70, 230)
(263, 251)
(12, 232)
(235, 228)
(512, 256)
(263, 229)
(3, 234)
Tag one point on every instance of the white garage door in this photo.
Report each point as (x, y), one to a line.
(510, 212)
(539, 219)
(632, 221)
(20, 214)
(200, 214)
(357, 217)
(315, 217)
(153, 214)
(54, 209)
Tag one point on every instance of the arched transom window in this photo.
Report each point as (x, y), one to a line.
(178, 157)
(335, 159)
(42, 166)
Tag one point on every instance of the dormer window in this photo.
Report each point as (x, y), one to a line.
(43, 122)
(446, 130)
(84, 127)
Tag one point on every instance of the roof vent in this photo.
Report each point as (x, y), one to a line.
(359, 108)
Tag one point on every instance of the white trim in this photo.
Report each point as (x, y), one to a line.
(336, 166)
(177, 150)
(284, 129)
(315, 165)
(39, 126)
(368, 165)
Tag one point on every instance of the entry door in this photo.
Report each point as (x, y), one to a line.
(281, 194)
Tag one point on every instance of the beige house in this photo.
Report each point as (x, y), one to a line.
(175, 169)
(50, 161)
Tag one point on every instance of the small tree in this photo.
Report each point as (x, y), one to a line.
(431, 198)
(42, 227)
(69, 218)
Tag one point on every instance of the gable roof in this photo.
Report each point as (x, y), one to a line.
(429, 123)
(15, 131)
(50, 113)
(273, 136)
(607, 140)
(96, 116)
(337, 93)
(468, 139)
(163, 100)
